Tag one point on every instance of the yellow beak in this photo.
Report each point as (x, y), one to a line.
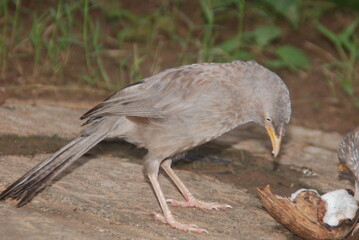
(276, 140)
(342, 167)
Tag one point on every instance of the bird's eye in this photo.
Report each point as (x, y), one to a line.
(268, 119)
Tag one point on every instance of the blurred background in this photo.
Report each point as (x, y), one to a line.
(84, 50)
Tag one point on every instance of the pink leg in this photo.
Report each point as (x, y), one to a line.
(191, 201)
(167, 215)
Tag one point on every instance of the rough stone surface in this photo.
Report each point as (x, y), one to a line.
(108, 197)
(43, 120)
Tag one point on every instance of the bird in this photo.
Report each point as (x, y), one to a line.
(168, 114)
(348, 155)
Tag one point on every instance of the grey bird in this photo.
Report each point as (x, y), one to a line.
(169, 114)
(348, 154)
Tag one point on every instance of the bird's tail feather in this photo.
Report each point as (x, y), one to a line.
(38, 178)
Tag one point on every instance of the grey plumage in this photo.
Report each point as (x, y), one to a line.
(170, 113)
(348, 154)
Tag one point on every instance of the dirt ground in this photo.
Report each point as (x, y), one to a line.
(106, 196)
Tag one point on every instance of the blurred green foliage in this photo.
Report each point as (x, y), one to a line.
(290, 57)
(290, 9)
(346, 44)
(349, 4)
(264, 35)
(113, 43)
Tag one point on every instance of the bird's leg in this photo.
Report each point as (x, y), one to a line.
(190, 200)
(167, 216)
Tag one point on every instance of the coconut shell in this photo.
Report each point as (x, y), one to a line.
(304, 215)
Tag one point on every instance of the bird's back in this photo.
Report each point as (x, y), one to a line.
(183, 107)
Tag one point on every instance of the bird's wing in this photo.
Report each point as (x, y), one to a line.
(167, 93)
(130, 101)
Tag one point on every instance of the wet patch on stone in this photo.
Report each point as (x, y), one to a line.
(243, 169)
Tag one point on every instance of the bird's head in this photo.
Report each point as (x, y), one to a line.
(270, 103)
(348, 153)
(275, 132)
(275, 117)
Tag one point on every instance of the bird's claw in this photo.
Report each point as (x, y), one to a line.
(179, 226)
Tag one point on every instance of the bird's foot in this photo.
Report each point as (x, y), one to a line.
(179, 226)
(193, 202)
